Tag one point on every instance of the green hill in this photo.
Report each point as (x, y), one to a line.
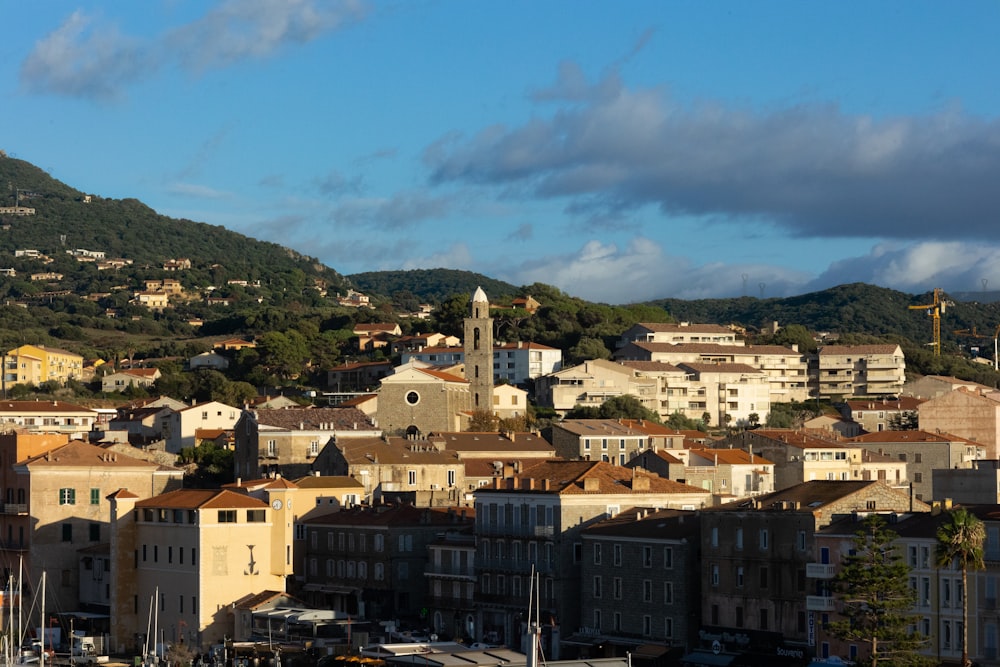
(432, 285)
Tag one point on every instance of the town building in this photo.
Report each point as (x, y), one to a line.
(35, 364)
(679, 333)
(756, 557)
(534, 518)
(187, 556)
(370, 561)
(287, 441)
(48, 417)
(415, 400)
(885, 414)
(640, 583)
(968, 414)
(357, 375)
(58, 496)
(179, 426)
(130, 377)
(925, 453)
(860, 370)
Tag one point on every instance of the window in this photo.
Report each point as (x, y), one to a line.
(379, 571)
(67, 496)
(647, 625)
(739, 538)
(95, 496)
(616, 588)
(597, 586)
(272, 448)
(597, 554)
(647, 590)
(668, 558)
(94, 530)
(668, 592)
(67, 532)
(739, 576)
(256, 516)
(616, 551)
(668, 627)
(647, 556)
(763, 539)
(411, 477)
(715, 574)
(379, 542)
(715, 536)
(227, 516)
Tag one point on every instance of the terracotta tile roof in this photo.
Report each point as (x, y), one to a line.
(649, 427)
(150, 373)
(667, 456)
(841, 350)
(315, 419)
(468, 441)
(441, 375)
(639, 522)
(394, 515)
(812, 496)
(567, 477)
(733, 457)
(797, 438)
(906, 436)
(717, 349)
(389, 450)
(328, 482)
(361, 364)
(597, 427)
(699, 367)
(77, 453)
(674, 327)
(358, 400)
(122, 493)
(522, 345)
(900, 403)
(651, 366)
(377, 327)
(34, 407)
(868, 456)
(202, 499)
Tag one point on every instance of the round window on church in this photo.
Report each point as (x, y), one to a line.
(412, 397)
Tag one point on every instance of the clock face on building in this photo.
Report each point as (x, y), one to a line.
(276, 504)
(412, 397)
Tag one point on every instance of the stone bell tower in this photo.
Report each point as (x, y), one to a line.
(479, 351)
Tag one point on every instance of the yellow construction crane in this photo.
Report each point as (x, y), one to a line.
(972, 333)
(934, 310)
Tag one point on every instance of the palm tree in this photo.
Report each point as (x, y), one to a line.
(960, 540)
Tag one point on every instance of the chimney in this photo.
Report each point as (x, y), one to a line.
(640, 483)
(591, 484)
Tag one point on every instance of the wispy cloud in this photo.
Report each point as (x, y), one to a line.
(198, 191)
(89, 57)
(84, 57)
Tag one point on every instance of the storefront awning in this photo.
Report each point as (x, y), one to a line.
(707, 659)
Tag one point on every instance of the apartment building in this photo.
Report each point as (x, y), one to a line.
(35, 364)
(860, 370)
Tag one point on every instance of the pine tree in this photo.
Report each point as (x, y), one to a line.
(876, 599)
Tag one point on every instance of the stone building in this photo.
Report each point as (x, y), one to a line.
(414, 401)
(639, 582)
(533, 519)
(288, 440)
(969, 414)
(756, 557)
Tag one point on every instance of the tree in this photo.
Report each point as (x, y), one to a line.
(482, 421)
(876, 598)
(960, 542)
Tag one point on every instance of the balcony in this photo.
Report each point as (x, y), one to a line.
(820, 603)
(15, 508)
(453, 571)
(820, 570)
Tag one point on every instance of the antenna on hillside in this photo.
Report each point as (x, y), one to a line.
(744, 276)
(62, 239)
(985, 282)
(762, 286)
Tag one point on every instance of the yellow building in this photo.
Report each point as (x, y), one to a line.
(190, 554)
(34, 364)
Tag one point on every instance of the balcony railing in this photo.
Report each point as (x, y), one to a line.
(15, 508)
(451, 570)
(820, 603)
(518, 531)
(820, 570)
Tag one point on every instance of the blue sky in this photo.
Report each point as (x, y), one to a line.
(621, 151)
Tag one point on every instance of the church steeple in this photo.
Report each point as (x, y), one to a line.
(479, 351)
